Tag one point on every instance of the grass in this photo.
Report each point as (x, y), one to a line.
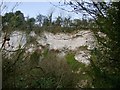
(74, 64)
(77, 66)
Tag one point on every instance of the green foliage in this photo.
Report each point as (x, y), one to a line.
(106, 57)
(58, 21)
(83, 72)
(30, 23)
(31, 72)
(46, 52)
(14, 20)
(82, 48)
(34, 59)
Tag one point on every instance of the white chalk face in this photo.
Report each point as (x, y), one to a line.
(71, 42)
(17, 39)
(83, 57)
(59, 41)
(7, 44)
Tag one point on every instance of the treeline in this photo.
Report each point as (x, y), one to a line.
(17, 21)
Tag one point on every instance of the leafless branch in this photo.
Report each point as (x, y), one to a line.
(17, 4)
(61, 7)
